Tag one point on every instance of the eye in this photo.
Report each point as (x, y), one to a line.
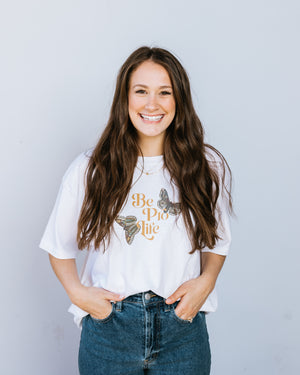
(166, 93)
(140, 91)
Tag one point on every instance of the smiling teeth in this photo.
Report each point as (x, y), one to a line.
(152, 118)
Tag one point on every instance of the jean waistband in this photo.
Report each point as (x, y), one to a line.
(144, 297)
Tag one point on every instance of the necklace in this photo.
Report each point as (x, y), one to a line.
(149, 171)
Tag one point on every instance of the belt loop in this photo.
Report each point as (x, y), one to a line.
(119, 305)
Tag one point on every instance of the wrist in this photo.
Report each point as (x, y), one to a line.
(75, 293)
(208, 280)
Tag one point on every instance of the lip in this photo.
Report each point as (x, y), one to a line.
(151, 121)
(154, 115)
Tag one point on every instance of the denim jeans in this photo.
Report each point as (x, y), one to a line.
(143, 335)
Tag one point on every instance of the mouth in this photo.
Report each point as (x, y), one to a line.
(151, 118)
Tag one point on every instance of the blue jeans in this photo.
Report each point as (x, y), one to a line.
(143, 335)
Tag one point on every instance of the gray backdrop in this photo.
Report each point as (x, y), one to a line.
(59, 61)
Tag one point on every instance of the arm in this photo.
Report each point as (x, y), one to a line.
(194, 292)
(95, 301)
(211, 265)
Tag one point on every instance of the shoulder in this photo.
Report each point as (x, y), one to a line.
(218, 163)
(76, 170)
(215, 160)
(213, 156)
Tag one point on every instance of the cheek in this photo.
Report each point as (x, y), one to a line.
(133, 109)
(172, 107)
(134, 104)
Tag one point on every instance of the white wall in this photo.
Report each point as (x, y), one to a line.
(59, 61)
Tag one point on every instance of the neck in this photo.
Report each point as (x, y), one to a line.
(151, 148)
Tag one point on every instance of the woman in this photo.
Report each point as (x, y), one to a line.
(151, 204)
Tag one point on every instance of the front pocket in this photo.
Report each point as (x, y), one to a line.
(178, 318)
(107, 318)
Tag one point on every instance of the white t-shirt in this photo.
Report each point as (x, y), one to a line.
(149, 248)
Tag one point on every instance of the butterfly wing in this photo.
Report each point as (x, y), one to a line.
(166, 205)
(130, 225)
(174, 209)
(130, 232)
(121, 220)
(164, 202)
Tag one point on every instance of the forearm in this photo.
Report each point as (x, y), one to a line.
(66, 272)
(93, 300)
(193, 293)
(211, 265)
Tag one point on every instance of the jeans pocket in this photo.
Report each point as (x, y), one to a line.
(107, 318)
(185, 321)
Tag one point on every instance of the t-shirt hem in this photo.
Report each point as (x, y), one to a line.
(224, 251)
(59, 254)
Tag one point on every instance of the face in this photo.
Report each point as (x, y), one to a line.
(151, 102)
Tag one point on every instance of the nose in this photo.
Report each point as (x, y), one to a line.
(151, 103)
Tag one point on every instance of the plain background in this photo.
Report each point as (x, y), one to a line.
(59, 62)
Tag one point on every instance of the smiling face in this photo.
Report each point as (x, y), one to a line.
(151, 105)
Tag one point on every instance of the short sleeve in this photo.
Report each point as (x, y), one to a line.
(59, 238)
(222, 212)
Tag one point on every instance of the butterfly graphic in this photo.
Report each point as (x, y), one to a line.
(166, 205)
(130, 225)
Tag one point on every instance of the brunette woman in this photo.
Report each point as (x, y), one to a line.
(150, 203)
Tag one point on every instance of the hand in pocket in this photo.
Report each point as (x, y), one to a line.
(96, 301)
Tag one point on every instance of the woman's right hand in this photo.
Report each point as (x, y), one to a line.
(95, 301)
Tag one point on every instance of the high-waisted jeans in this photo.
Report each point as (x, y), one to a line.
(143, 335)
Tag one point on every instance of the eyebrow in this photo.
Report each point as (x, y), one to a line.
(161, 87)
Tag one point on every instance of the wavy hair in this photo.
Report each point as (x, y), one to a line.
(109, 178)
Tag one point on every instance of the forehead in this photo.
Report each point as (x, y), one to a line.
(150, 74)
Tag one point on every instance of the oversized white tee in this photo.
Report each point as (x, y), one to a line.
(149, 247)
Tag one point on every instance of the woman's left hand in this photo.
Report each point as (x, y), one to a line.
(192, 294)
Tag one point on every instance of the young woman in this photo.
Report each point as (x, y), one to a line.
(151, 205)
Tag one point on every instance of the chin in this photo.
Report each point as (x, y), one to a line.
(151, 134)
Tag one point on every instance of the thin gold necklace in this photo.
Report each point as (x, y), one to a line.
(150, 171)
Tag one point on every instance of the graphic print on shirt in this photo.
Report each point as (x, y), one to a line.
(166, 205)
(149, 226)
(130, 225)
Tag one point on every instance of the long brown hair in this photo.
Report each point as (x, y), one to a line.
(110, 169)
